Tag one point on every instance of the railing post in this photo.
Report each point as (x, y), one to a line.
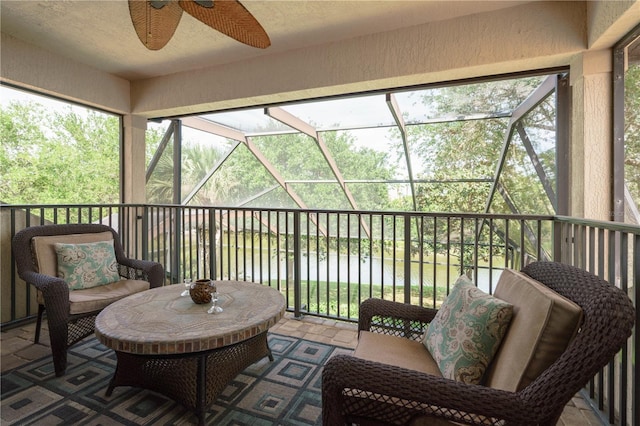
(297, 264)
(213, 248)
(145, 232)
(558, 234)
(407, 258)
(177, 245)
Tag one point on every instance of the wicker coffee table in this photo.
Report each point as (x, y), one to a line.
(168, 344)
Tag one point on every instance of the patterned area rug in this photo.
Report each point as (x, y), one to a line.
(283, 392)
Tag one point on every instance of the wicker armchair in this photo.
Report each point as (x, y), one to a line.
(359, 391)
(68, 325)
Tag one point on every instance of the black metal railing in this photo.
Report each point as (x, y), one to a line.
(611, 251)
(325, 262)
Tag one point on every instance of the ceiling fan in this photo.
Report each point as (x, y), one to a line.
(155, 22)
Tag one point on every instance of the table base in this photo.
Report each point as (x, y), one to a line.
(196, 379)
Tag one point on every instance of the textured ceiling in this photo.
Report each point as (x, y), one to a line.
(100, 33)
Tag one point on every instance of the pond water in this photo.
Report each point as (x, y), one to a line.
(367, 270)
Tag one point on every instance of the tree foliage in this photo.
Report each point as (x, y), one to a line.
(51, 156)
(62, 156)
(293, 158)
(632, 131)
(460, 156)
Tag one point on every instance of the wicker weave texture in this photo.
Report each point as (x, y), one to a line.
(230, 18)
(154, 26)
(195, 380)
(364, 392)
(65, 329)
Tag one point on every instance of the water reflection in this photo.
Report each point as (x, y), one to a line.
(374, 271)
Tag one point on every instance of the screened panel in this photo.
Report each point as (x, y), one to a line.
(528, 180)
(471, 101)
(273, 197)
(539, 126)
(56, 152)
(456, 150)
(367, 154)
(519, 185)
(238, 180)
(294, 156)
(431, 149)
(159, 185)
(379, 195)
(322, 195)
(454, 197)
(348, 113)
(250, 121)
(632, 134)
(201, 152)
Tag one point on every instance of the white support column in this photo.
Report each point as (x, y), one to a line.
(134, 159)
(134, 176)
(591, 151)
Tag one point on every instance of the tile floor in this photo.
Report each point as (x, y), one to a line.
(17, 348)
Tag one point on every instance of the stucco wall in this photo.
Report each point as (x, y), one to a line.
(531, 36)
(30, 67)
(591, 148)
(527, 37)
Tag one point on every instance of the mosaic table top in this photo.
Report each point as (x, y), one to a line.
(160, 321)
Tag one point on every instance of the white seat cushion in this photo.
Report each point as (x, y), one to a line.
(396, 351)
(97, 298)
(543, 324)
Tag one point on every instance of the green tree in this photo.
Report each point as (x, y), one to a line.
(459, 156)
(632, 131)
(58, 156)
(466, 149)
(296, 158)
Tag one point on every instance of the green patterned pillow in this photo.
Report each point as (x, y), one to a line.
(466, 332)
(87, 265)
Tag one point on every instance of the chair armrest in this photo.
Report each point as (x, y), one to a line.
(395, 318)
(49, 285)
(143, 269)
(354, 388)
(55, 292)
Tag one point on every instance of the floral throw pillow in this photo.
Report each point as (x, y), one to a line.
(466, 332)
(87, 265)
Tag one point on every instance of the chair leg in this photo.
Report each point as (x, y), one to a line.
(59, 348)
(59, 338)
(39, 323)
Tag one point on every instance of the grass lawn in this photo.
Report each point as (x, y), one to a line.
(343, 299)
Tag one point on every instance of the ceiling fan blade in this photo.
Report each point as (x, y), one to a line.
(230, 18)
(155, 22)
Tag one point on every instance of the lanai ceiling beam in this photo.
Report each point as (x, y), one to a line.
(298, 124)
(294, 122)
(538, 96)
(216, 129)
(160, 150)
(397, 116)
(537, 164)
(210, 173)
